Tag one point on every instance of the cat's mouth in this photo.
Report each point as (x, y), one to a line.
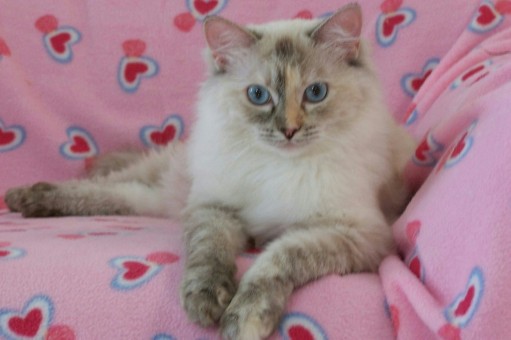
(289, 145)
(293, 144)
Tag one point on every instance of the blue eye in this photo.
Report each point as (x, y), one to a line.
(316, 92)
(258, 94)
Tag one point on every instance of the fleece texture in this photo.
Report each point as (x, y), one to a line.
(83, 77)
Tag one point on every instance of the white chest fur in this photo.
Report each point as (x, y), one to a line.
(273, 192)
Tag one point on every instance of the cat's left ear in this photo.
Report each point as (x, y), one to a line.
(226, 40)
(341, 31)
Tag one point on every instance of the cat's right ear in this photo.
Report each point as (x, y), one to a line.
(226, 40)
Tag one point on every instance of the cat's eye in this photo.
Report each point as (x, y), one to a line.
(258, 94)
(315, 93)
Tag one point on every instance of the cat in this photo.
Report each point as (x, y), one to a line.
(292, 148)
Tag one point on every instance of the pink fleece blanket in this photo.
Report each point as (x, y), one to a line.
(79, 78)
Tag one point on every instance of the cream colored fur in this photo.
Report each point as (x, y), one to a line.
(321, 201)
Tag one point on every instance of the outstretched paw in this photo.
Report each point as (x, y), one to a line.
(252, 315)
(33, 201)
(206, 296)
(14, 197)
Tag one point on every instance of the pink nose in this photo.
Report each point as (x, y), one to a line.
(289, 133)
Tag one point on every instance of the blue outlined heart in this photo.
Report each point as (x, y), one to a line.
(486, 18)
(11, 253)
(389, 24)
(32, 322)
(169, 131)
(412, 82)
(59, 43)
(462, 309)
(200, 9)
(80, 144)
(427, 152)
(133, 272)
(11, 137)
(462, 147)
(133, 69)
(297, 325)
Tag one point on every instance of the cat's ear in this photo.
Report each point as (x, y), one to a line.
(341, 31)
(226, 40)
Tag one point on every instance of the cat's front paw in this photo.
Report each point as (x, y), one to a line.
(252, 315)
(32, 201)
(205, 296)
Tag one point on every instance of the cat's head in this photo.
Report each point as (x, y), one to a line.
(290, 84)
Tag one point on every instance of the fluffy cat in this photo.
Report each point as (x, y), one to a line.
(292, 145)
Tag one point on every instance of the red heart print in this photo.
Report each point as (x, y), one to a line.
(472, 72)
(389, 6)
(134, 48)
(478, 72)
(60, 332)
(133, 69)
(426, 152)
(394, 315)
(47, 23)
(449, 332)
(422, 150)
(459, 147)
(298, 332)
(6, 137)
(390, 23)
(59, 41)
(417, 82)
(163, 138)
(4, 49)
(162, 257)
(305, 14)
(503, 7)
(204, 7)
(4, 253)
(135, 270)
(170, 130)
(80, 145)
(461, 311)
(27, 326)
(466, 303)
(415, 267)
(184, 21)
(486, 15)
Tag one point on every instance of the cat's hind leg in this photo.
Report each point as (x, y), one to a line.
(78, 198)
(137, 189)
(107, 163)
